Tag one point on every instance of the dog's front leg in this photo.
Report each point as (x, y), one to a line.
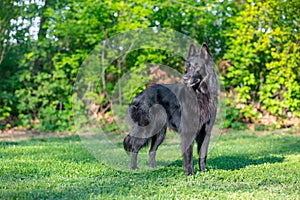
(134, 160)
(188, 160)
(204, 145)
(152, 159)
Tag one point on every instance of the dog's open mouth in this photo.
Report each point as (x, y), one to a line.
(192, 83)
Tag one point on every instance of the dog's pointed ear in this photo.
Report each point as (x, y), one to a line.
(205, 53)
(192, 51)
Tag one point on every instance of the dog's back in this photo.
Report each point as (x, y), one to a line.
(161, 94)
(174, 100)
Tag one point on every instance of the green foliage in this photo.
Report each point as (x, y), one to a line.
(5, 112)
(264, 128)
(264, 52)
(241, 165)
(38, 72)
(232, 119)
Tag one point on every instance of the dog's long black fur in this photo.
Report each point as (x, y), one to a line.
(188, 108)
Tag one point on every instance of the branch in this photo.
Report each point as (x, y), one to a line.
(103, 69)
(2, 55)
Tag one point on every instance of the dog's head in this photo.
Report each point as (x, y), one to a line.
(196, 65)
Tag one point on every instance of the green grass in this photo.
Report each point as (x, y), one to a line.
(241, 166)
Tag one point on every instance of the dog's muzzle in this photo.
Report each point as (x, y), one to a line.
(190, 82)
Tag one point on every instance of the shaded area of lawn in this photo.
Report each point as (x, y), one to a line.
(241, 165)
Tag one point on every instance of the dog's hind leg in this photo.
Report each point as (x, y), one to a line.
(156, 141)
(134, 160)
(138, 144)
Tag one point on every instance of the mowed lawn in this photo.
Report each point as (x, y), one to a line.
(242, 165)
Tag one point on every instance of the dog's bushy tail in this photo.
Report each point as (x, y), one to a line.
(127, 143)
(139, 115)
(132, 143)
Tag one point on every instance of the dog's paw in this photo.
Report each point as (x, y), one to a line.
(153, 165)
(204, 170)
(190, 172)
(134, 168)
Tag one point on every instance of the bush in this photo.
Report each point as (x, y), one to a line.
(264, 55)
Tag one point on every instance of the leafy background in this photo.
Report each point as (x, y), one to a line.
(43, 43)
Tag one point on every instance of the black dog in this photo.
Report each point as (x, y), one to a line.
(188, 108)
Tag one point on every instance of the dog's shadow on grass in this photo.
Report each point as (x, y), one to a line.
(238, 162)
(233, 162)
